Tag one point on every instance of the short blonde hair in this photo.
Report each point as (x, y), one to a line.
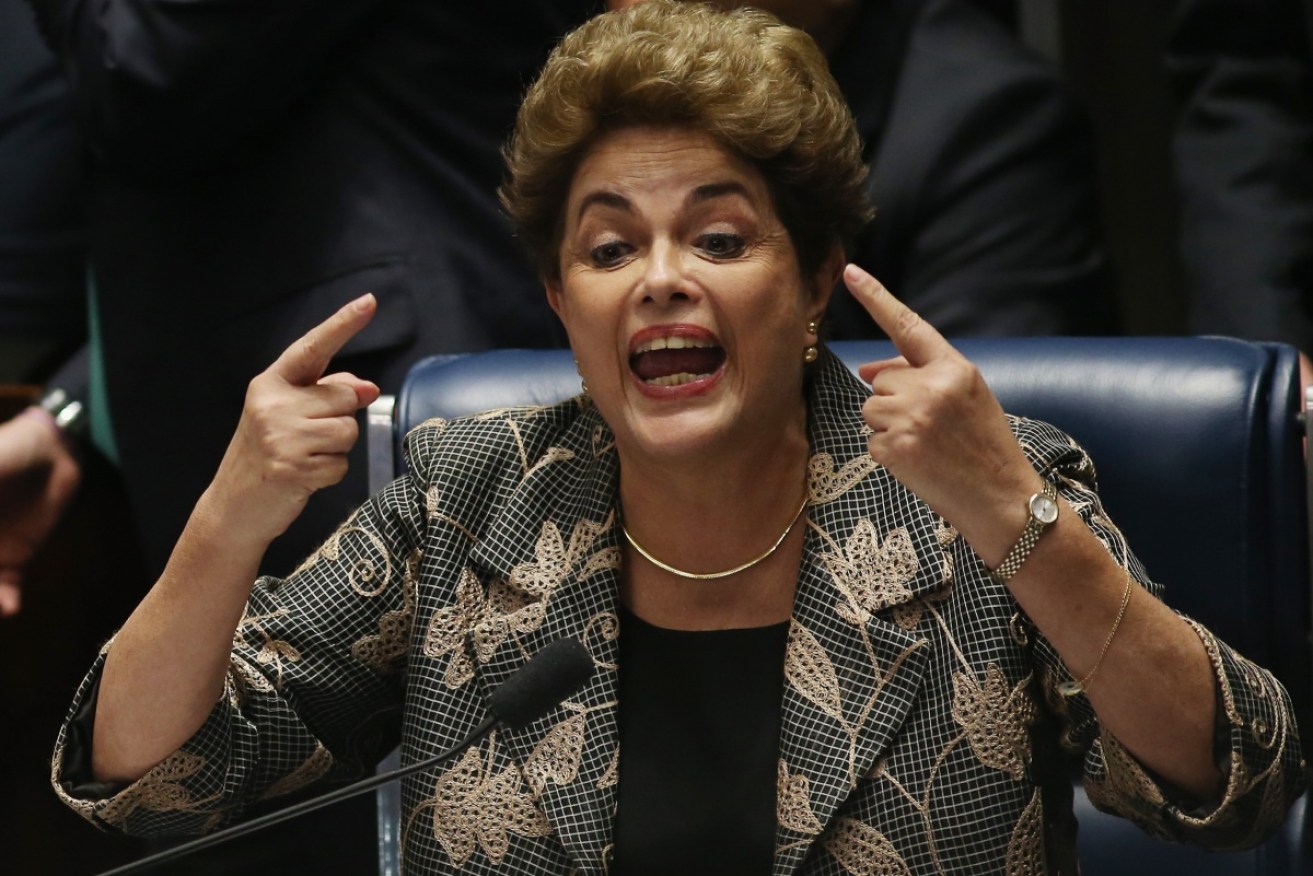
(759, 87)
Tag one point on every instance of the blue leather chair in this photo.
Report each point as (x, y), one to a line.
(1198, 444)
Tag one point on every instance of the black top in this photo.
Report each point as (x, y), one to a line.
(699, 731)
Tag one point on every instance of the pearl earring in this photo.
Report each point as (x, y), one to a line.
(810, 353)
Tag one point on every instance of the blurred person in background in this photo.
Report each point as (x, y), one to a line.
(1243, 149)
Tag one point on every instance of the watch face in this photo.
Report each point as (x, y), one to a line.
(1044, 509)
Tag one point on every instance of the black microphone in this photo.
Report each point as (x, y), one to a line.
(551, 675)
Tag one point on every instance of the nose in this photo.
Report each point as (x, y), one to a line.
(665, 275)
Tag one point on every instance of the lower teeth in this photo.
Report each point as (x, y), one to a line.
(675, 379)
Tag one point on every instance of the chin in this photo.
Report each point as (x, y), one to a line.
(688, 434)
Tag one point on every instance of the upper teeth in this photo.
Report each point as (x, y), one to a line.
(678, 342)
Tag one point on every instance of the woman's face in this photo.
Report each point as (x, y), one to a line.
(681, 293)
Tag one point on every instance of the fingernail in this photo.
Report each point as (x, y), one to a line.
(852, 272)
(363, 302)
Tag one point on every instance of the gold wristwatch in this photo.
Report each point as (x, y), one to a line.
(1042, 509)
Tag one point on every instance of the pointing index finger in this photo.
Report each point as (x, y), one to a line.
(915, 338)
(305, 361)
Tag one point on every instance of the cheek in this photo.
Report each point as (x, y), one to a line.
(572, 308)
(592, 327)
(784, 315)
(592, 334)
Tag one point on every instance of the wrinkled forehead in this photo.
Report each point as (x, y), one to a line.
(662, 168)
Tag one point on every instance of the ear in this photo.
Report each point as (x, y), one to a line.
(826, 278)
(554, 296)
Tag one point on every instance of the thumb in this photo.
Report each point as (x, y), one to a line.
(367, 392)
(870, 370)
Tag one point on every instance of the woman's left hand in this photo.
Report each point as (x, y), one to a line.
(939, 429)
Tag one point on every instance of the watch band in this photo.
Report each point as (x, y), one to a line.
(1042, 511)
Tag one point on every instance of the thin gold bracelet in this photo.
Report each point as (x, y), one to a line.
(1071, 688)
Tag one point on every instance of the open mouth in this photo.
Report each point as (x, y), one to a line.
(675, 361)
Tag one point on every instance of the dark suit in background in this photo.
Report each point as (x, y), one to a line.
(1244, 163)
(43, 171)
(983, 177)
(259, 164)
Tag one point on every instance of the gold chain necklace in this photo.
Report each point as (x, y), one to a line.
(710, 576)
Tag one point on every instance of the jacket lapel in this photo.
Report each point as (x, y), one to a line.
(854, 664)
(551, 559)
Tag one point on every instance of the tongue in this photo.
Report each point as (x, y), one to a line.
(662, 363)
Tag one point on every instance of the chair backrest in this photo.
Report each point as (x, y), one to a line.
(1198, 444)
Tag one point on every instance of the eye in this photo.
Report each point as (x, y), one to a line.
(721, 244)
(609, 254)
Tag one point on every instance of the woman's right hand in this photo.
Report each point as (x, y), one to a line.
(296, 428)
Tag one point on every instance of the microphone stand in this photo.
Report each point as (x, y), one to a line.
(306, 805)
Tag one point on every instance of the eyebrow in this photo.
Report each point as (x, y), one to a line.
(711, 191)
(701, 194)
(606, 199)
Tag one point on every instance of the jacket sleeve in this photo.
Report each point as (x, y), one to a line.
(1257, 744)
(166, 86)
(313, 692)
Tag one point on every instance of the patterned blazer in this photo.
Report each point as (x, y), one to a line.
(921, 731)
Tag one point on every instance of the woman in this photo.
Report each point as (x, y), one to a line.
(845, 630)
